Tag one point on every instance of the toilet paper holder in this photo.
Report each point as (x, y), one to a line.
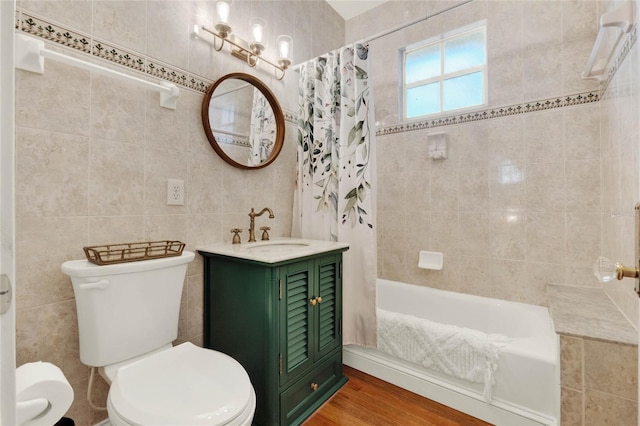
(43, 394)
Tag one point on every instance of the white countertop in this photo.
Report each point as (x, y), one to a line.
(276, 250)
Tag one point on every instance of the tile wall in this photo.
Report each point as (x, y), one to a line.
(521, 201)
(620, 133)
(94, 155)
(517, 204)
(599, 382)
(526, 199)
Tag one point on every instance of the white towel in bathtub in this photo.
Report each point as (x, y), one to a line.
(460, 352)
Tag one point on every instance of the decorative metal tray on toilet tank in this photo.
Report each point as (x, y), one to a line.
(132, 252)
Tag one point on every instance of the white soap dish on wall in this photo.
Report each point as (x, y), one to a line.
(430, 260)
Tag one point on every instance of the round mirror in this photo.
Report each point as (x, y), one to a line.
(243, 121)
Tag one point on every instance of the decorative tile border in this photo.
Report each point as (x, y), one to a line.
(120, 56)
(229, 140)
(541, 105)
(41, 27)
(291, 117)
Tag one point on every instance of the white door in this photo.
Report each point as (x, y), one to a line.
(7, 319)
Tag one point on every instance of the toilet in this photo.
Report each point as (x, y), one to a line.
(127, 319)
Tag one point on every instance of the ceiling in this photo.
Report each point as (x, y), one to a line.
(351, 8)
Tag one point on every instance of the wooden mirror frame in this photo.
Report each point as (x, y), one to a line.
(277, 113)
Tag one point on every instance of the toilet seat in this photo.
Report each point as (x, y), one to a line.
(183, 385)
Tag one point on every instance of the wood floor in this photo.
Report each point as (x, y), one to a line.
(368, 401)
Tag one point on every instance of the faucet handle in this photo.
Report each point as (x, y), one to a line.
(236, 235)
(265, 234)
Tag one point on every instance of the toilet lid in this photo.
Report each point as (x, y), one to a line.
(184, 385)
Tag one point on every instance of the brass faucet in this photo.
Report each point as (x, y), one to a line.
(252, 226)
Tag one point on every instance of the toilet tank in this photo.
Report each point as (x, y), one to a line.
(126, 309)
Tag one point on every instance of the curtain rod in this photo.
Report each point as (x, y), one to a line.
(408, 24)
(401, 27)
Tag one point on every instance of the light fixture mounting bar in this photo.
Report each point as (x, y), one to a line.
(245, 54)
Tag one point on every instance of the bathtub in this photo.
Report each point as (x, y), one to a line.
(527, 381)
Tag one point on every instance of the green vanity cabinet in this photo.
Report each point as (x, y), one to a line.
(283, 322)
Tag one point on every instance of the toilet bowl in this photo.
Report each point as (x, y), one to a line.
(127, 320)
(183, 385)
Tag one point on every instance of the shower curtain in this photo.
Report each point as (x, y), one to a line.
(262, 131)
(335, 188)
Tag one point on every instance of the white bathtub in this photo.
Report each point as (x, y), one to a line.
(527, 381)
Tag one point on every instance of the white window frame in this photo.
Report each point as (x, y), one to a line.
(441, 40)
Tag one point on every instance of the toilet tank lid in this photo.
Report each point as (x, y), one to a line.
(84, 268)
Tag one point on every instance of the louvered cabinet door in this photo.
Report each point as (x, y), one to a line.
(329, 306)
(296, 320)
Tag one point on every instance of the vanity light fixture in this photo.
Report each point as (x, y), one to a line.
(251, 53)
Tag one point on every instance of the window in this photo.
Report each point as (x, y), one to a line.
(445, 73)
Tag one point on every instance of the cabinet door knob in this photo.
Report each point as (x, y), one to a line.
(313, 301)
(319, 299)
(314, 386)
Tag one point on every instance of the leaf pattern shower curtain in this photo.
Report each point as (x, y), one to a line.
(262, 131)
(335, 188)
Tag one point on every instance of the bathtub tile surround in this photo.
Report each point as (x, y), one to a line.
(522, 183)
(94, 154)
(536, 186)
(600, 376)
(588, 312)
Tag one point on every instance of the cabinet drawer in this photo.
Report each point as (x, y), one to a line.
(311, 388)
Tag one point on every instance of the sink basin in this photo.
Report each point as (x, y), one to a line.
(276, 246)
(274, 251)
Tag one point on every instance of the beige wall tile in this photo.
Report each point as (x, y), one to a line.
(164, 18)
(507, 235)
(63, 85)
(475, 233)
(47, 243)
(582, 185)
(611, 368)
(473, 189)
(583, 239)
(116, 183)
(204, 178)
(50, 333)
(508, 279)
(545, 187)
(116, 229)
(603, 409)
(571, 363)
(582, 132)
(506, 141)
(444, 190)
(51, 173)
(538, 276)
(121, 22)
(545, 237)
(74, 13)
(117, 109)
(543, 135)
(571, 411)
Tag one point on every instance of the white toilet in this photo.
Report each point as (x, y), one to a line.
(127, 319)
